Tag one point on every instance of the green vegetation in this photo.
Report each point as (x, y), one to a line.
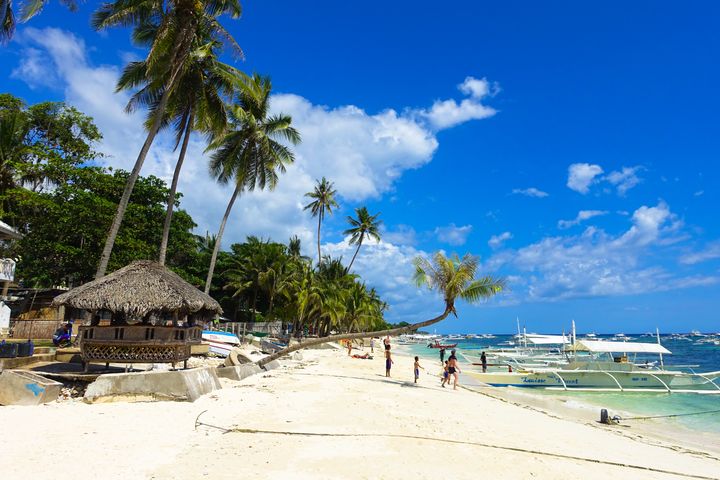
(79, 219)
(323, 199)
(452, 277)
(249, 153)
(171, 31)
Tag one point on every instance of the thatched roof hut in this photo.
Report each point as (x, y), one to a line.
(140, 289)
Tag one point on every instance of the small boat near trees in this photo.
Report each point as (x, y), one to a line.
(220, 343)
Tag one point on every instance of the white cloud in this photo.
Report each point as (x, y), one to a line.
(595, 263)
(452, 234)
(581, 217)
(497, 240)
(582, 175)
(530, 192)
(624, 179)
(362, 153)
(449, 113)
(710, 252)
(699, 193)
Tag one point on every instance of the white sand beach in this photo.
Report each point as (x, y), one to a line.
(331, 416)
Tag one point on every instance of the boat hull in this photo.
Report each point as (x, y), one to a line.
(620, 380)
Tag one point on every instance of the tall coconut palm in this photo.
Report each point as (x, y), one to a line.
(250, 153)
(195, 105)
(452, 277)
(174, 26)
(365, 225)
(323, 196)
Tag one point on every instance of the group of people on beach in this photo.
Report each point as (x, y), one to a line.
(451, 368)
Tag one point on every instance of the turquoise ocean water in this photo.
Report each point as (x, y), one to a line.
(686, 351)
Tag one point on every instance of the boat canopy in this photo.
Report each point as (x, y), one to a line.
(547, 339)
(598, 346)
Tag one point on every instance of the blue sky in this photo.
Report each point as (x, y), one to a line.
(572, 146)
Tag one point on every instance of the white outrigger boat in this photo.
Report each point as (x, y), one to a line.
(220, 343)
(613, 373)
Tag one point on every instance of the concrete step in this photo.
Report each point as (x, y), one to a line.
(11, 363)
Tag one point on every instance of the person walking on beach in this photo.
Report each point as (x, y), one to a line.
(445, 378)
(349, 345)
(387, 343)
(417, 368)
(453, 369)
(372, 345)
(388, 363)
(442, 355)
(483, 360)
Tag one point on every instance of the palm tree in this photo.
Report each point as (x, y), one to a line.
(195, 105)
(28, 10)
(452, 277)
(365, 225)
(323, 199)
(249, 152)
(173, 27)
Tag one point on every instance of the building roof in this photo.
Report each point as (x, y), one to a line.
(138, 289)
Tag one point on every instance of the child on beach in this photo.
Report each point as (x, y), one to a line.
(445, 374)
(388, 363)
(417, 368)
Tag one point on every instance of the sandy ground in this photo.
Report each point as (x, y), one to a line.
(362, 424)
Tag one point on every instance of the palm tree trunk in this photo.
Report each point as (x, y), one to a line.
(173, 189)
(125, 199)
(318, 239)
(354, 336)
(356, 252)
(213, 259)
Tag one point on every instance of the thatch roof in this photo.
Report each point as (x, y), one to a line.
(138, 289)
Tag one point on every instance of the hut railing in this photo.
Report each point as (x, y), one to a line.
(137, 343)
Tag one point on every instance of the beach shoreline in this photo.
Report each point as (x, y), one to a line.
(333, 416)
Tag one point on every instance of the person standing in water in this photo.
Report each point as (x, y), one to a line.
(388, 363)
(483, 360)
(442, 356)
(453, 369)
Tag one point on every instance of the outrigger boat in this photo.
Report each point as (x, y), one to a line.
(437, 344)
(220, 343)
(613, 372)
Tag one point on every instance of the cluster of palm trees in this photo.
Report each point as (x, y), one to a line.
(185, 86)
(275, 281)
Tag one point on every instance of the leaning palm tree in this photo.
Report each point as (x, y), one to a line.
(195, 105)
(365, 225)
(249, 153)
(174, 26)
(323, 196)
(452, 277)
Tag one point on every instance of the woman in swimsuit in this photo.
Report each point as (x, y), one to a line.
(453, 369)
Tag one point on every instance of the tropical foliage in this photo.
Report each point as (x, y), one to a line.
(361, 227)
(323, 200)
(171, 31)
(452, 277)
(251, 152)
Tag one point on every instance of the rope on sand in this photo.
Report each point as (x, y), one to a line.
(707, 412)
(457, 442)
